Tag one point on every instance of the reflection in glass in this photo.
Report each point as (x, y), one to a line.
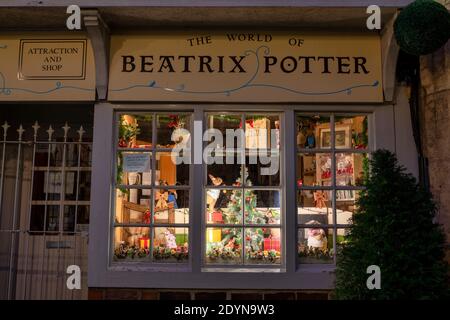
(262, 245)
(170, 245)
(223, 246)
(131, 244)
(315, 244)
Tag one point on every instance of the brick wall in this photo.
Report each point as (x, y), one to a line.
(155, 294)
(435, 126)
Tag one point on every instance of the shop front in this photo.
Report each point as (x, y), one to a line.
(230, 159)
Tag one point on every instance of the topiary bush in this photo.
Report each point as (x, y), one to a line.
(422, 27)
(393, 228)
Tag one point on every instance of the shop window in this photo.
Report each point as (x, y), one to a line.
(243, 213)
(152, 192)
(332, 159)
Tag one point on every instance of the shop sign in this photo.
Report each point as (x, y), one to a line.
(246, 67)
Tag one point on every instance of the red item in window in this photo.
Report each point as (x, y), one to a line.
(299, 183)
(144, 242)
(272, 243)
(147, 217)
(217, 217)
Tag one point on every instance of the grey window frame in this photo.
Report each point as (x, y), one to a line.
(295, 276)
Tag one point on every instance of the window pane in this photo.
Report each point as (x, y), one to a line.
(134, 168)
(171, 245)
(220, 173)
(85, 155)
(346, 205)
(224, 121)
(171, 206)
(223, 245)
(224, 206)
(313, 131)
(313, 169)
(262, 132)
(47, 185)
(168, 124)
(168, 172)
(315, 245)
(263, 171)
(262, 206)
(262, 245)
(69, 219)
(131, 244)
(135, 131)
(341, 239)
(133, 206)
(351, 132)
(314, 207)
(350, 169)
(82, 219)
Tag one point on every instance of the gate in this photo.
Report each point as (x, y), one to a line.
(44, 210)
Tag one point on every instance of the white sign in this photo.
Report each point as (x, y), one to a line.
(136, 162)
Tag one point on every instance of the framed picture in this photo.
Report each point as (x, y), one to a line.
(342, 137)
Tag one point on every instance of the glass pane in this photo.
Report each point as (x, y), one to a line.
(262, 132)
(171, 245)
(52, 223)
(341, 239)
(47, 185)
(223, 245)
(314, 207)
(168, 172)
(85, 155)
(350, 169)
(313, 169)
(263, 170)
(224, 206)
(220, 173)
(313, 131)
(262, 206)
(262, 245)
(134, 168)
(37, 218)
(222, 122)
(133, 206)
(56, 155)
(351, 132)
(168, 124)
(82, 219)
(135, 131)
(84, 185)
(131, 244)
(346, 205)
(69, 219)
(315, 245)
(171, 206)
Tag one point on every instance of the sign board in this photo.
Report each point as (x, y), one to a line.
(246, 67)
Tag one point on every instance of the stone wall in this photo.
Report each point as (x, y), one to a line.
(435, 127)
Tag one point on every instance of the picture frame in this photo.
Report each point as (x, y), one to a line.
(342, 137)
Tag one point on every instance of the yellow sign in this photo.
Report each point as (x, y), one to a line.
(46, 67)
(245, 67)
(55, 59)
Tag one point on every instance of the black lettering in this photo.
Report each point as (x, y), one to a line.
(269, 61)
(288, 64)
(166, 63)
(360, 62)
(307, 65)
(325, 63)
(342, 65)
(237, 63)
(220, 64)
(231, 37)
(145, 63)
(128, 61)
(205, 62)
(186, 62)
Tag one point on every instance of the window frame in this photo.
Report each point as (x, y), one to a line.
(295, 276)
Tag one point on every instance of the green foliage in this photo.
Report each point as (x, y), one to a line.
(394, 229)
(422, 27)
